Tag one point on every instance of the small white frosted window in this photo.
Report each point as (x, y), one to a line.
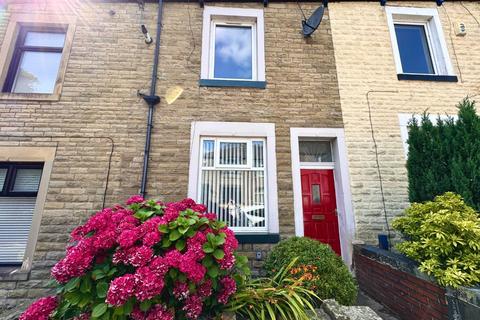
(3, 176)
(27, 180)
(315, 151)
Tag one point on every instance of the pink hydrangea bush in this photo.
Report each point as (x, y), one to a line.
(145, 261)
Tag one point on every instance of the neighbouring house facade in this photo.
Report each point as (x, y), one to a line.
(394, 61)
(259, 113)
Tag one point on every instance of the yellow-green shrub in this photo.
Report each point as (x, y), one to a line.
(444, 237)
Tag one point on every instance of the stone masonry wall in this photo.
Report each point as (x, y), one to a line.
(109, 62)
(365, 63)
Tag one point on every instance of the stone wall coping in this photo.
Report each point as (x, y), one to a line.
(393, 259)
(400, 262)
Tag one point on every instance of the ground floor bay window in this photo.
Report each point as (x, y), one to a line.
(233, 173)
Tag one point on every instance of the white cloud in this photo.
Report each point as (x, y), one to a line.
(234, 44)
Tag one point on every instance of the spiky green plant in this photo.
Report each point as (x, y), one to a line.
(281, 297)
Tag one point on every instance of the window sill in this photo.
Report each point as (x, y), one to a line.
(427, 77)
(232, 83)
(29, 96)
(258, 238)
(13, 273)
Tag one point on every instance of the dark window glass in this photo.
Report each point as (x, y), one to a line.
(413, 48)
(19, 184)
(233, 52)
(36, 60)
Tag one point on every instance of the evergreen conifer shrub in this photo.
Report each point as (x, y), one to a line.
(446, 156)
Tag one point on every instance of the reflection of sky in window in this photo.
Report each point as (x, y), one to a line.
(233, 52)
(37, 72)
(45, 39)
(413, 47)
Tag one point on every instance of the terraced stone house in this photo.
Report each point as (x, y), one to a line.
(256, 94)
(277, 133)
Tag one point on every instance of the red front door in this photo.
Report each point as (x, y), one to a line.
(320, 207)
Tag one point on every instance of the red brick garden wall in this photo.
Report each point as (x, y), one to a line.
(410, 297)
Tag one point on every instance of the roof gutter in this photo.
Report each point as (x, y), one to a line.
(152, 100)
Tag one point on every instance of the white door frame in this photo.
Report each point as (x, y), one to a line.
(346, 218)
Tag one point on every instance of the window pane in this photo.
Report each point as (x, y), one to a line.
(45, 39)
(315, 151)
(37, 72)
(27, 180)
(236, 196)
(413, 48)
(257, 154)
(316, 193)
(3, 175)
(15, 221)
(208, 153)
(233, 153)
(233, 52)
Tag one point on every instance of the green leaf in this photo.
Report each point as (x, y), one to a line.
(84, 301)
(207, 248)
(73, 297)
(99, 310)
(86, 285)
(241, 259)
(183, 230)
(129, 306)
(218, 254)
(163, 228)
(119, 310)
(102, 289)
(166, 243)
(180, 244)
(173, 273)
(190, 233)
(174, 235)
(211, 238)
(203, 220)
(98, 274)
(207, 261)
(213, 271)
(145, 305)
(219, 240)
(72, 284)
(111, 272)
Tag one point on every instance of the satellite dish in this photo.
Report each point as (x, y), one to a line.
(312, 23)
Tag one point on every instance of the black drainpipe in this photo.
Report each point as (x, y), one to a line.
(151, 100)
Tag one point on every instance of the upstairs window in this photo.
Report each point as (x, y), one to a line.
(414, 49)
(36, 59)
(418, 42)
(233, 181)
(233, 44)
(19, 184)
(234, 48)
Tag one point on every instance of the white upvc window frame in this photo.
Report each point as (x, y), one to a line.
(221, 16)
(430, 20)
(248, 167)
(238, 132)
